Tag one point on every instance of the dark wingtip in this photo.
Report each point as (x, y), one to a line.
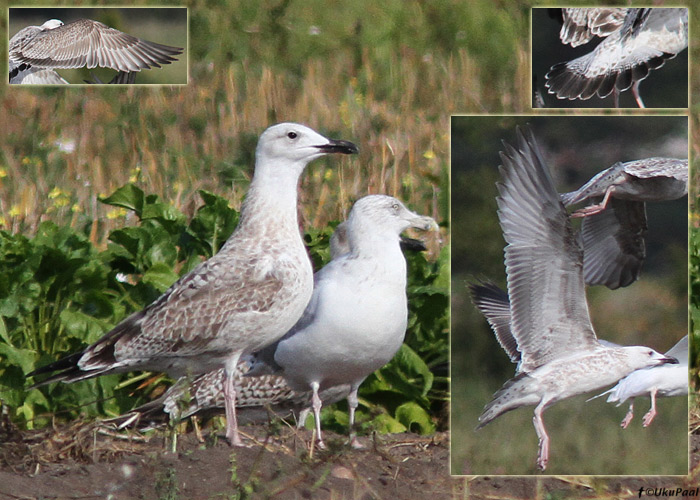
(64, 367)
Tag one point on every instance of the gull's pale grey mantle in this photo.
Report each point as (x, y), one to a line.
(663, 381)
(36, 51)
(242, 299)
(356, 319)
(636, 41)
(552, 337)
(614, 227)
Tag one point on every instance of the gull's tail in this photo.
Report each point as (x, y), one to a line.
(514, 394)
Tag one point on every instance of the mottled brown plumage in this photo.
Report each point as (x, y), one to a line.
(240, 300)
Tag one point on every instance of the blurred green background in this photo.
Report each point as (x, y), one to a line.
(586, 437)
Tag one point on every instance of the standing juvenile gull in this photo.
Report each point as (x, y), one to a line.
(81, 43)
(636, 41)
(666, 381)
(614, 227)
(237, 302)
(257, 389)
(560, 356)
(356, 319)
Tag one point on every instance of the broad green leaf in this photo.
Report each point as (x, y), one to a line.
(23, 358)
(129, 197)
(386, 424)
(160, 276)
(79, 325)
(411, 415)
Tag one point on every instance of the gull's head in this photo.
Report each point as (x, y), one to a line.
(643, 357)
(295, 144)
(51, 24)
(388, 215)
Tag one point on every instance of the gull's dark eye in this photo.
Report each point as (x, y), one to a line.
(395, 206)
(292, 135)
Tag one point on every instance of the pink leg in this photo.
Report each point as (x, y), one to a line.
(649, 417)
(628, 418)
(594, 209)
(543, 453)
(637, 97)
(231, 421)
(352, 404)
(316, 404)
(616, 98)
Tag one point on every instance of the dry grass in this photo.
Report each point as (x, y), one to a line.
(62, 150)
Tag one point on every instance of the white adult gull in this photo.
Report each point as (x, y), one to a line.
(615, 225)
(662, 381)
(36, 51)
(242, 299)
(559, 354)
(635, 42)
(356, 319)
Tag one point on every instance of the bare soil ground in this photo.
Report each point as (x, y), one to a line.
(89, 461)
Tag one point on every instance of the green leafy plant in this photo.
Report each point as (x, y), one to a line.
(58, 293)
(694, 294)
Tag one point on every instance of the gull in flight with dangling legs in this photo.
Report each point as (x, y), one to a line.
(549, 332)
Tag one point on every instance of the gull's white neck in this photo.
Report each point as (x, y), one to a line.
(382, 247)
(272, 196)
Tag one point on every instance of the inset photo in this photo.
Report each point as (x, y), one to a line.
(569, 347)
(610, 57)
(106, 45)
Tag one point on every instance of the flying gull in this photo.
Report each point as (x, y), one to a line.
(635, 42)
(614, 227)
(665, 380)
(36, 51)
(242, 299)
(356, 319)
(558, 353)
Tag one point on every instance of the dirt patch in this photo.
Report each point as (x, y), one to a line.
(100, 464)
(88, 460)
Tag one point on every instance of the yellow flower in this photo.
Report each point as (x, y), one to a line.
(14, 211)
(135, 174)
(3, 172)
(429, 154)
(55, 193)
(116, 213)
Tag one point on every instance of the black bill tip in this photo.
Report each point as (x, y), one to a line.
(339, 146)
